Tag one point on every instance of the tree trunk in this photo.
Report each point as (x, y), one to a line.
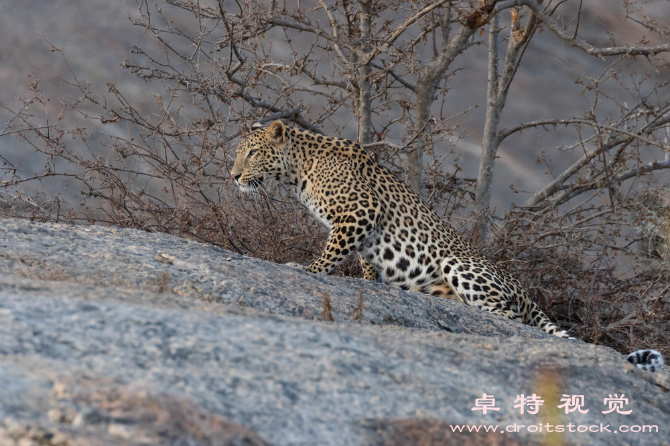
(364, 106)
(498, 88)
(490, 139)
(415, 177)
(364, 85)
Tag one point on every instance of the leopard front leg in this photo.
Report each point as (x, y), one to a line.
(331, 258)
(342, 241)
(351, 208)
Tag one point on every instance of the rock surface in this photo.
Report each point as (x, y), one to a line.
(111, 257)
(112, 336)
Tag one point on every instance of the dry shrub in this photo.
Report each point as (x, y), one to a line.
(588, 273)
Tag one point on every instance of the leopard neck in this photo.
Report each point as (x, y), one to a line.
(307, 147)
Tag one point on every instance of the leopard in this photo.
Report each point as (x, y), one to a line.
(399, 239)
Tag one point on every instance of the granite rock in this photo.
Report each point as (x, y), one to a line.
(101, 343)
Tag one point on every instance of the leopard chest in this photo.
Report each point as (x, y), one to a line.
(317, 209)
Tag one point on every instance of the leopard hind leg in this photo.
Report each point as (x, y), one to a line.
(441, 288)
(532, 315)
(458, 273)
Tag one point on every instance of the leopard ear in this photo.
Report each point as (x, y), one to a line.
(277, 132)
(256, 126)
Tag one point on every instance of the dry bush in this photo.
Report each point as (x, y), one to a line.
(575, 243)
(591, 278)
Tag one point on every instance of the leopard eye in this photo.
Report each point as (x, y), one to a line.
(251, 152)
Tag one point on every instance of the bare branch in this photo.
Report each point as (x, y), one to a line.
(558, 183)
(587, 47)
(314, 30)
(395, 75)
(400, 30)
(336, 37)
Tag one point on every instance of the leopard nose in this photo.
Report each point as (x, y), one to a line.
(236, 177)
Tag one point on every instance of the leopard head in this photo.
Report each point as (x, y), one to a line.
(261, 155)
